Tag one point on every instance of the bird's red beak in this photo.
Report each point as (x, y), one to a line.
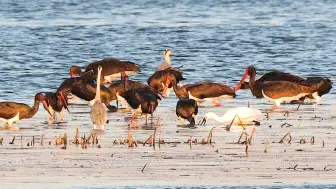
(64, 101)
(241, 81)
(168, 81)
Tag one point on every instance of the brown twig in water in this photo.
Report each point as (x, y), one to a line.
(286, 124)
(12, 140)
(267, 115)
(149, 140)
(190, 142)
(286, 113)
(290, 138)
(209, 141)
(266, 146)
(154, 138)
(298, 107)
(33, 141)
(312, 140)
(143, 168)
(248, 104)
(1, 140)
(42, 137)
(323, 141)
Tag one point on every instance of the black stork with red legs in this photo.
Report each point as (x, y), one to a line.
(159, 80)
(278, 91)
(144, 98)
(11, 112)
(112, 68)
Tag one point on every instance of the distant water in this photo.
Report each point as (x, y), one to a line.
(213, 40)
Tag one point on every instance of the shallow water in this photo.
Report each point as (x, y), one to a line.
(213, 40)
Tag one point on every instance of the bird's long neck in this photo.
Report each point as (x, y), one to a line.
(167, 59)
(179, 91)
(252, 82)
(97, 98)
(34, 109)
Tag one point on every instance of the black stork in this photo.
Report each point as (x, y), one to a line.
(278, 91)
(112, 68)
(321, 84)
(204, 91)
(144, 98)
(11, 112)
(159, 83)
(187, 109)
(118, 88)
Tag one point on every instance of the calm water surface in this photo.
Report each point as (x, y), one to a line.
(213, 40)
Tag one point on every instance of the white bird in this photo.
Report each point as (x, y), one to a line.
(98, 109)
(246, 116)
(166, 60)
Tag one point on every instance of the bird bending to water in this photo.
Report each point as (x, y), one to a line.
(11, 112)
(57, 102)
(321, 84)
(98, 109)
(246, 116)
(277, 91)
(187, 109)
(166, 60)
(112, 68)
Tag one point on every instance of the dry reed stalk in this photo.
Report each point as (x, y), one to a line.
(266, 146)
(312, 140)
(190, 141)
(290, 138)
(209, 141)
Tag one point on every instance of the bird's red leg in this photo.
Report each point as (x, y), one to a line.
(217, 104)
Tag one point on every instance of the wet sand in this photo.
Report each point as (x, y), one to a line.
(224, 162)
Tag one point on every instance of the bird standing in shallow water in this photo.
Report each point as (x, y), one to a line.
(11, 112)
(166, 60)
(278, 91)
(98, 109)
(144, 98)
(187, 109)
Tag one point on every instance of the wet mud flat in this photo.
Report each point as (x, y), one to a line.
(304, 156)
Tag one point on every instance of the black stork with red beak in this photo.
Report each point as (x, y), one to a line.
(112, 68)
(11, 112)
(321, 84)
(277, 91)
(144, 98)
(159, 83)
(203, 91)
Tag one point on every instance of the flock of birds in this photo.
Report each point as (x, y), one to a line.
(89, 85)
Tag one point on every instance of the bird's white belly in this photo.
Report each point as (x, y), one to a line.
(117, 75)
(280, 100)
(209, 99)
(11, 120)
